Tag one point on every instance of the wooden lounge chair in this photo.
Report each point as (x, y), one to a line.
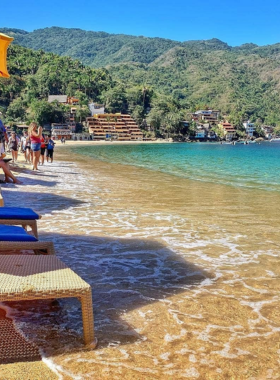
(16, 238)
(45, 277)
(20, 216)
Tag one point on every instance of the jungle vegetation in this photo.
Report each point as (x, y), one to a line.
(158, 81)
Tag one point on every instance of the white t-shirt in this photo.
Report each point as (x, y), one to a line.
(23, 141)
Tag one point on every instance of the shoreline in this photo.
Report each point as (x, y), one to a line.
(162, 266)
(103, 142)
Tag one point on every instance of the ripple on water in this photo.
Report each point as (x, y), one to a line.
(181, 288)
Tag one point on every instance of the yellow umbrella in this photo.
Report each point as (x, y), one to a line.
(4, 43)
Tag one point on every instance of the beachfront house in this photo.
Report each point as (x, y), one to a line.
(200, 132)
(211, 135)
(268, 131)
(61, 130)
(81, 136)
(113, 127)
(228, 130)
(249, 128)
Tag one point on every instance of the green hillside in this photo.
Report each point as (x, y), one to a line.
(36, 74)
(243, 86)
(96, 49)
(154, 79)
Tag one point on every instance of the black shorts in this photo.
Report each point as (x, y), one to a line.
(50, 153)
(43, 151)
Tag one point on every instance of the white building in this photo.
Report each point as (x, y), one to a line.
(249, 128)
(96, 109)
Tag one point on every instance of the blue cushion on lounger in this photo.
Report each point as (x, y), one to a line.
(14, 233)
(20, 213)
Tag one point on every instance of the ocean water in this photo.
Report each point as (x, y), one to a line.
(180, 243)
(249, 166)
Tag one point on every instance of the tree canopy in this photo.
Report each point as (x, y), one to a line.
(151, 78)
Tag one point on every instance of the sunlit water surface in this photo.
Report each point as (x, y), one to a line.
(180, 243)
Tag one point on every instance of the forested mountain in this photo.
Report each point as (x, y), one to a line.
(155, 79)
(96, 49)
(99, 49)
(243, 86)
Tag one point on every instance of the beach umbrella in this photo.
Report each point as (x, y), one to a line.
(4, 43)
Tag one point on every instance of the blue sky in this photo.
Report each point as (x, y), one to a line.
(232, 21)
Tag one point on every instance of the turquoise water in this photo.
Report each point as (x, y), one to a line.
(251, 166)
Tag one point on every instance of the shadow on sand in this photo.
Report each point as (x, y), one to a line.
(42, 203)
(125, 274)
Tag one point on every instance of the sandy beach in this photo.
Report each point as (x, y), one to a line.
(171, 292)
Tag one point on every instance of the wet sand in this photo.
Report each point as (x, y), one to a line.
(185, 276)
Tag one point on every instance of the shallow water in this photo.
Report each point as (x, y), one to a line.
(249, 166)
(185, 273)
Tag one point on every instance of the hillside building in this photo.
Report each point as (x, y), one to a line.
(209, 116)
(113, 127)
(96, 109)
(70, 119)
(268, 131)
(249, 128)
(61, 130)
(63, 99)
(229, 130)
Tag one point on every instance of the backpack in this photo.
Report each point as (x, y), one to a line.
(50, 145)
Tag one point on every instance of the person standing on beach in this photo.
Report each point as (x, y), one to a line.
(3, 136)
(13, 145)
(23, 144)
(35, 134)
(50, 148)
(43, 149)
(28, 151)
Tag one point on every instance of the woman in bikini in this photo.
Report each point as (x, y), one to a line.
(13, 146)
(35, 134)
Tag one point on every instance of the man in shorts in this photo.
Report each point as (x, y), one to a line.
(50, 148)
